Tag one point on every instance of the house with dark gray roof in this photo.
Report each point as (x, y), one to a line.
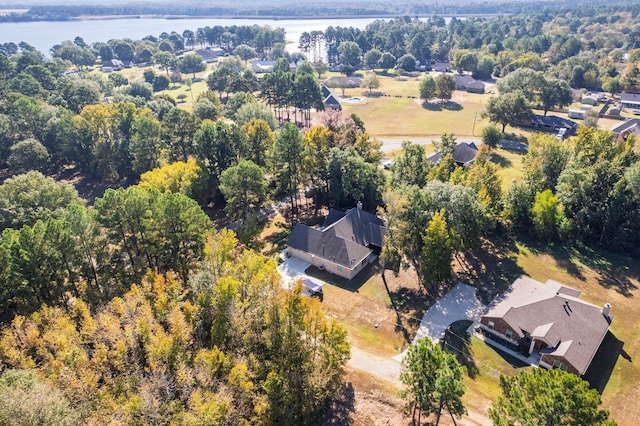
(475, 86)
(441, 67)
(550, 123)
(340, 81)
(469, 84)
(209, 55)
(330, 100)
(464, 154)
(629, 127)
(549, 323)
(112, 65)
(346, 243)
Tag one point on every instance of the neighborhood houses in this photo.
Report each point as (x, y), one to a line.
(300, 233)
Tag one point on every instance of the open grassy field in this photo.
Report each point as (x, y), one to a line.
(175, 89)
(396, 112)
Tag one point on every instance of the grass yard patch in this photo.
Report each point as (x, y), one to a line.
(483, 364)
(366, 400)
(511, 166)
(391, 116)
(380, 314)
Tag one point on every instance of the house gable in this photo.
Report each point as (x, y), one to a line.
(570, 330)
(347, 240)
(464, 154)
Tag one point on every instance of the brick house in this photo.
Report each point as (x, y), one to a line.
(549, 323)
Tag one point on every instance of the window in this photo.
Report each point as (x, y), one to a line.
(560, 365)
(491, 324)
(509, 333)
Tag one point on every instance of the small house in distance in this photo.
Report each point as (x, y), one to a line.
(576, 113)
(346, 243)
(551, 123)
(330, 101)
(260, 67)
(629, 127)
(549, 323)
(112, 65)
(468, 84)
(630, 100)
(209, 55)
(441, 67)
(464, 154)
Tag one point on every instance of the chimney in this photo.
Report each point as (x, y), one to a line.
(359, 205)
(606, 310)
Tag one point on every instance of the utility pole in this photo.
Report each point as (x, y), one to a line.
(473, 131)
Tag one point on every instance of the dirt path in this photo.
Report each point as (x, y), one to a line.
(389, 369)
(386, 368)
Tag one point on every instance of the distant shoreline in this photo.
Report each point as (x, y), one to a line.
(256, 17)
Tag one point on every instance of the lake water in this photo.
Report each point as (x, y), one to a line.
(44, 35)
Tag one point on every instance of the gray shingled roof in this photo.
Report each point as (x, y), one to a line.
(463, 153)
(553, 314)
(630, 97)
(553, 121)
(632, 125)
(345, 239)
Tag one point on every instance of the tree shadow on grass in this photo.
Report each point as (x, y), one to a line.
(604, 361)
(339, 411)
(409, 304)
(564, 256)
(513, 361)
(452, 106)
(372, 94)
(458, 342)
(500, 160)
(431, 106)
(278, 239)
(442, 105)
(491, 268)
(614, 271)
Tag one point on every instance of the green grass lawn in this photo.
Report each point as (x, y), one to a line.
(395, 111)
(174, 90)
(510, 163)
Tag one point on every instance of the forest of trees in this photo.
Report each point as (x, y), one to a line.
(131, 307)
(228, 346)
